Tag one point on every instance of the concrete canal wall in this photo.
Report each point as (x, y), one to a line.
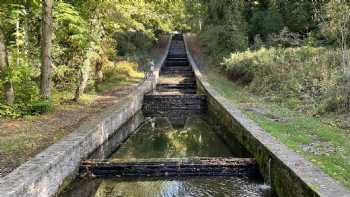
(290, 174)
(46, 172)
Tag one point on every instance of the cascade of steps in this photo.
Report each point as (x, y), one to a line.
(176, 95)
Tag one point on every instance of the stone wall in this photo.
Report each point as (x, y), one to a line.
(46, 172)
(289, 173)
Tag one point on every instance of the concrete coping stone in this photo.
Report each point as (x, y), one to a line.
(46, 172)
(311, 176)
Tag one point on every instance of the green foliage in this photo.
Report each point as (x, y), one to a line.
(129, 43)
(297, 15)
(40, 107)
(26, 109)
(8, 112)
(264, 22)
(334, 19)
(85, 34)
(120, 70)
(296, 129)
(304, 77)
(224, 29)
(90, 33)
(267, 17)
(285, 38)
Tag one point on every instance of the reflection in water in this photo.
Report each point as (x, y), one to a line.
(158, 139)
(196, 187)
(197, 138)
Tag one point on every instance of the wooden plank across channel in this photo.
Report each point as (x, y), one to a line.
(174, 167)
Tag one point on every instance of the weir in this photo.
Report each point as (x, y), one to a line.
(175, 96)
(173, 167)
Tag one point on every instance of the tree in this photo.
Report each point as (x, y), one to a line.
(224, 28)
(46, 43)
(4, 69)
(335, 24)
(84, 71)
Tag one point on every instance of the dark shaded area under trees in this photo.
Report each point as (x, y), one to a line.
(48, 47)
(88, 35)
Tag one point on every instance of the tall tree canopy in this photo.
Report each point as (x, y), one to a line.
(88, 34)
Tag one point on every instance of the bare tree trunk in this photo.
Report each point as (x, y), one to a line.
(17, 42)
(26, 29)
(46, 43)
(84, 77)
(4, 66)
(98, 74)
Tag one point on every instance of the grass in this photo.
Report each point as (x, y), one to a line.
(23, 138)
(325, 145)
(303, 78)
(115, 82)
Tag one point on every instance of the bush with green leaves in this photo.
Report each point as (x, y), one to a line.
(224, 29)
(306, 78)
(120, 70)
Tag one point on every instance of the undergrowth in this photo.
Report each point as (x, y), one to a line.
(324, 144)
(307, 79)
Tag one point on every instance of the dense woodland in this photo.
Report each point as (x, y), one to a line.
(295, 50)
(47, 47)
(291, 52)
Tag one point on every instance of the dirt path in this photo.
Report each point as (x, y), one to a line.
(21, 139)
(24, 138)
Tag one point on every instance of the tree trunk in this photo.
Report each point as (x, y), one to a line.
(98, 74)
(4, 66)
(17, 42)
(84, 77)
(26, 29)
(46, 43)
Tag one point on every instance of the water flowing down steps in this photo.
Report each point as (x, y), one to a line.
(169, 167)
(175, 98)
(176, 92)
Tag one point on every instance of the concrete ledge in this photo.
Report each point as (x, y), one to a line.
(45, 173)
(289, 173)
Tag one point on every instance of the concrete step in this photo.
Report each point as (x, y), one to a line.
(177, 59)
(174, 91)
(174, 114)
(180, 54)
(176, 80)
(177, 86)
(176, 68)
(178, 73)
(177, 55)
(174, 167)
(182, 98)
(162, 104)
(177, 63)
(178, 37)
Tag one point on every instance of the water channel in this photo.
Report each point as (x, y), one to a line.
(157, 138)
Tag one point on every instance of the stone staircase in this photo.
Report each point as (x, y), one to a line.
(176, 95)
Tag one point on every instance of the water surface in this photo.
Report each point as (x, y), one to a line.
(158, 139)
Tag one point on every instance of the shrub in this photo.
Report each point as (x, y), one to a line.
(26, 109)
(120, 70)
(40, 107)
(304, 77)
(8, 112)
(64, 77)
